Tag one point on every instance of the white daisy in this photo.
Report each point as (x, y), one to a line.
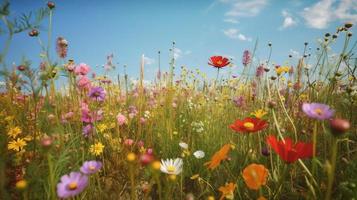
(172, 167)
(199, 154)
(183, 145)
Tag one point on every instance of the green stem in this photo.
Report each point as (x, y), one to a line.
(331, 171)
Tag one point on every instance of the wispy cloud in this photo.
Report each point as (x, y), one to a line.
(245, 8)
(244, 38)
(231, 33)
(294, 53)
(322, 13)
(148, 61)
(231, 20)
(289, 20)
(234, 34)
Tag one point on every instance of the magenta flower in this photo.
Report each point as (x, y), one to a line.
(317, 111)
(247, 58)
(82, 69)
(71, 185)
(90, 117)
(97, 94)
(91, 167)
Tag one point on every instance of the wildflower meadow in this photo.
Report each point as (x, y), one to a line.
(272, 131)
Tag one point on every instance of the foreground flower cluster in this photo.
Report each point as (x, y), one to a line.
(285, 133)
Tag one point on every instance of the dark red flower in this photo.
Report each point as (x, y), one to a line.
(288, 151)
(249, 125)
(218, 61)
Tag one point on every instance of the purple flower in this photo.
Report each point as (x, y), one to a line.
(317, 111)
(91, 167)
(71, 184)
(239, 101)
(247, 58)
(87, 130)
(97, 94)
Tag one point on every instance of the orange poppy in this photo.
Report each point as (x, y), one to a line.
(218, 157)
(255, 176)
(227, 190)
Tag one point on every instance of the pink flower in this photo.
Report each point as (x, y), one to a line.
(82, 69)
(122, 119)
(84, 83)
(142, 120)
(128, 142)
(141, 144)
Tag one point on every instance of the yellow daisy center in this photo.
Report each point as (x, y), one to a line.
(248, 125)
(171, 169)
(92, 168)
(318, 111)
(73, 185)
(219, 62)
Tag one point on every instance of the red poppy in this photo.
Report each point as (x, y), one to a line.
(288, 151)
(218, 61)
(249, 125)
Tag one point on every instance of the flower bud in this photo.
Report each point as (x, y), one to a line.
(21, 67)
(51, 5)
(271, 104)
(348, 25)
(339, 126)
(34, 33)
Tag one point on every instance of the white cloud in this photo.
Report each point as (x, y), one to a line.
(148, 61)
(343, 10)
(244, 38)
(231, 33)
(289, 21)
(245, 8)
(234, 34)
(231, 20)
(321, 14)
(177, 53)
(294, 53)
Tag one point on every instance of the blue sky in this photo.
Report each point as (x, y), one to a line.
(200, 28)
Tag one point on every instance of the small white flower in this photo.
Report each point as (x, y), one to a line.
(183, 145)
(199, 154)
(172, 167)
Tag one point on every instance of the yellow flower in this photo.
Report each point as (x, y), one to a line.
(97, 148)
(21, 184)
(156, 165)
(281, 70)
(210, 198)
(102, 127)
(14, 132)
(259, 113)
(131, 157)
(16, 145)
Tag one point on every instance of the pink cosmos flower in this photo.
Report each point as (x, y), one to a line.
(82, 69)
(84, 83)
(122, 119)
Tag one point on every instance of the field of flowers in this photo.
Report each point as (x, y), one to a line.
(282, 132)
